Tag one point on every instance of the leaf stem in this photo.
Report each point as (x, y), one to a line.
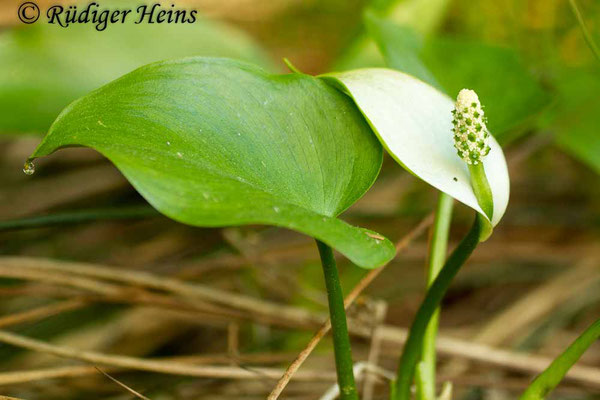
(414, 343)
(339, 328)
(551, 377)
(438, 246)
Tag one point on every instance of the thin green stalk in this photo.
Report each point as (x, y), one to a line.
(483, 193)
(482, 189)
(414, 343)
(339, 328)
(551, 377)
(438, 246)
(75, 217)
(586, 33)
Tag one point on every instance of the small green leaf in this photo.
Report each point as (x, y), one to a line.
(45, 67)
(400, 46)
(216, 142)
(414, 123)
(551, 376)
(422, 16)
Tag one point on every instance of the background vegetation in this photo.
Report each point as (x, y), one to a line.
(254, 296)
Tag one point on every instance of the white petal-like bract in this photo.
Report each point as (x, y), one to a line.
(413, 121)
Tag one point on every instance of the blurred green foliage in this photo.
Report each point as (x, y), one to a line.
(548, 36)
(576, 119)
(507, 51)
(45, 67)
(509, 92)
(528, 61)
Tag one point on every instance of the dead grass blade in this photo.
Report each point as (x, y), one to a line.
(124, 386)
(164, 367)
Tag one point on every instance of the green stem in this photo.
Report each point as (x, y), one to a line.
(551, 377)
(76, 217)
(482, 189)
(437, 255)
(483, 193)
(339, 328)
(414, 343)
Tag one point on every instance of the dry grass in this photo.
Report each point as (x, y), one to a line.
(166, 286)
(173, 312)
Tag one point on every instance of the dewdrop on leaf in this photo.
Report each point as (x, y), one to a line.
(29, 168)
(470, 130)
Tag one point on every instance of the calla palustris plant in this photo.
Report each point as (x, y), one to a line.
(446, 144)
(216, 142)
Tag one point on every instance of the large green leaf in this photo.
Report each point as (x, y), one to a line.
(216, 142)
(45, 67)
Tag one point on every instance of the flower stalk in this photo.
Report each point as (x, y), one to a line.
(471, 138)
(438, 245)
(414, 344)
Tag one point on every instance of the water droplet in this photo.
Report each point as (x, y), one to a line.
(239, 134)
(29, 168)
(179, 155)
(276, 209)
(168, 143)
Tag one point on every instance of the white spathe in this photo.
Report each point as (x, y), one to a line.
(413, 121)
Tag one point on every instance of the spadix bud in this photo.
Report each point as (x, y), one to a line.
(470, 131)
